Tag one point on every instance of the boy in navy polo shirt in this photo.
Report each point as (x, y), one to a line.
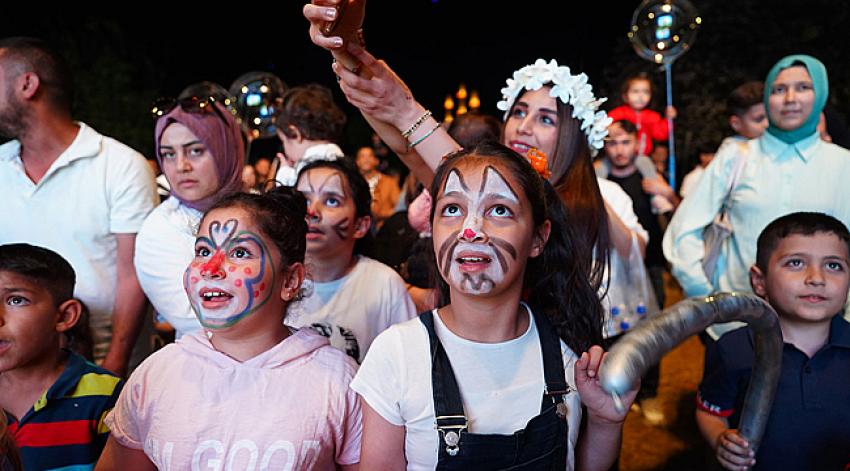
(803, 270)
(54, 400)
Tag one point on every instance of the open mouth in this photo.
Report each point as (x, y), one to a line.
(520, 147)
(4, 345)
(472, 260)
(214, 296)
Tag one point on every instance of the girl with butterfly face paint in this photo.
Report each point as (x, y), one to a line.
(478, 366)
(200, 400)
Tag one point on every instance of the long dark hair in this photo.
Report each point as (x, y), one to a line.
(556, 282)
(574, 180)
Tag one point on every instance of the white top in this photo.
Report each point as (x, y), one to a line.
(501, 385)
(164, 248)
(621, 203)
(288, 176)
(354, 309)
(96, 188)
(690, 181)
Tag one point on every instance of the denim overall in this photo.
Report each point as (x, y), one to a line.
(541, 445)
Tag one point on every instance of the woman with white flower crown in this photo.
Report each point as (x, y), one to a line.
(546, 108)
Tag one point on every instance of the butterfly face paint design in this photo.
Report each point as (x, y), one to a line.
(330, 209)
(232, 275)
(476, 228)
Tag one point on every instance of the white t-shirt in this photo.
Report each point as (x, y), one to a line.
(501, 385)
(97, 188)
(354, 309)
(164, 248)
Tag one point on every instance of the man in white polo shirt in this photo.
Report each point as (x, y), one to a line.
(66, 187)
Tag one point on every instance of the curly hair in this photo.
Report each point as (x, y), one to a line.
(311, 110)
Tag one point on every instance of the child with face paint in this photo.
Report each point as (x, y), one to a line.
(451, 389)
(248, 391)
(547, 107)
(199, 148)
(787, 169)
(347, 296)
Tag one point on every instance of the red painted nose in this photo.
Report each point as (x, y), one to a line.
(213, 267)
(468, 233)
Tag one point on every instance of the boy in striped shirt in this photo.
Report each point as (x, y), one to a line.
(54, 400)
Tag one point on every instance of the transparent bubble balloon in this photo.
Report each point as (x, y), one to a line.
(663, 30)
(258, 100)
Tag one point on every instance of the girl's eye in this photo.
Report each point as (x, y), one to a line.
(332, 202)
(202, 252)
(240, 252)
(451, 211)
(196, 151)
(501, 211)
(803, 87)
(17, 301)
(548, 120)
(835, 266)
(518, 113)
(778, 90)
(167, 154)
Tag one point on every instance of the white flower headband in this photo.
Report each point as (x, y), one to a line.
(570, 89)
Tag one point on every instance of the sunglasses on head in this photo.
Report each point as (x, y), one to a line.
(198, 105)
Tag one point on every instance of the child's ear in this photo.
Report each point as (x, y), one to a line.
(68, 314)
(362, 226)
(541, 236)
(758, 282)
(735, 123)
(297, 136)
(292, 279)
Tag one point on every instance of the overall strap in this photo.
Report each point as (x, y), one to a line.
(553, 360)
(448, 406)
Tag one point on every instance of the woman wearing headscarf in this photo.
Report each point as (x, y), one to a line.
(199, 148)
(788, 169)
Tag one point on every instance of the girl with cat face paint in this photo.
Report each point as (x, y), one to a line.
(248, 390)
(486, 370)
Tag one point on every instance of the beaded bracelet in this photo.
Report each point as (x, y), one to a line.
(415, 126)
(426, 136)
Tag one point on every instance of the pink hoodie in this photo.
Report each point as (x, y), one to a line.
(190, 406)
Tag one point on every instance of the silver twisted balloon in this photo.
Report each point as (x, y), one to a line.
(644, 346)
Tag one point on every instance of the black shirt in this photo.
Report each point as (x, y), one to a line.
(643, 209)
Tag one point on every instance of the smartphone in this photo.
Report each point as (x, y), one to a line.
(329, 26)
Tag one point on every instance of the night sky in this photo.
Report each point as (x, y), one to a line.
(124, 60)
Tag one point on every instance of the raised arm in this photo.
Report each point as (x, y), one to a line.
(384, 99)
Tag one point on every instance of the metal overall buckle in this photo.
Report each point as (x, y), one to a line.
(560, 407)
(451, 433)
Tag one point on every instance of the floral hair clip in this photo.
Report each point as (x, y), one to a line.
(539, 162)
(573, 90)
